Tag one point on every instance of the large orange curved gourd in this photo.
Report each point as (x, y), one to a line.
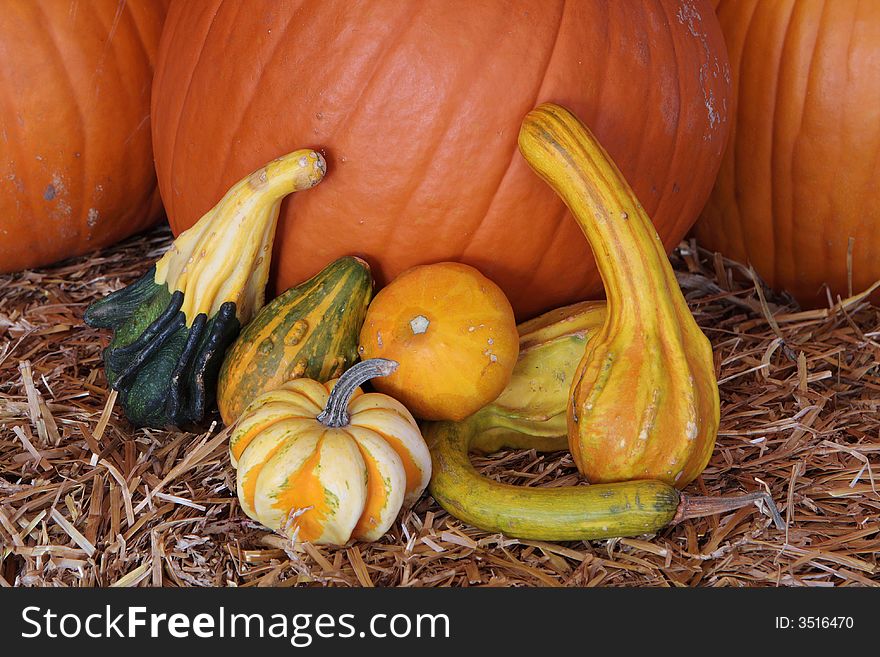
(799, 179)
(417, 106)
(76, 164)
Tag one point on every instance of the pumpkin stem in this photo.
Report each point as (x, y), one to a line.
(419, 324)
(335, 414)
(697, 507)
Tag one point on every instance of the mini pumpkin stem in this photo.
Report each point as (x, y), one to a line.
(419, 324)
(335, 414)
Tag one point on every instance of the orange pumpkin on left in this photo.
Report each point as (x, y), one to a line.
(76, 158)
(454, 334)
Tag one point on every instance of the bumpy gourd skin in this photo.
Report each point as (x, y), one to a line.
(165, 371)
(172, 326)
(644, 404)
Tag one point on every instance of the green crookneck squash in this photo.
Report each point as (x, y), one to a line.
(172, 326)
(310, 331)
(644, 400)
(531, 414)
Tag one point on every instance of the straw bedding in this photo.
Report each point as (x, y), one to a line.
(85, 500)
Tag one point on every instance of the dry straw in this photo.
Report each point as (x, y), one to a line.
(85, 500)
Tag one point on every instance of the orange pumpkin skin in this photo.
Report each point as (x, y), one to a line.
(417, 105)
(76, 165)
(453, 333)
(799, 178)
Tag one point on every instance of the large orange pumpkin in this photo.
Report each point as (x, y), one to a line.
(800, 176)
(417, 106)
(76, 165)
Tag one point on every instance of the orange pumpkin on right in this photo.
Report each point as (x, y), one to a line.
(799, 178)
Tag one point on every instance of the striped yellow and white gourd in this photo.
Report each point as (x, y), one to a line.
(327, 463)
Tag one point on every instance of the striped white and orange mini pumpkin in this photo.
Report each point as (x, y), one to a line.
(327, 467)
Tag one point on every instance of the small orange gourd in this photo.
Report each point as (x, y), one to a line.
(454, 334)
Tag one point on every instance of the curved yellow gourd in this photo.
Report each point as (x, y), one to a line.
(531, 414)
(644, 403)
(172, 326)
(225, 256)
(326, 463)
